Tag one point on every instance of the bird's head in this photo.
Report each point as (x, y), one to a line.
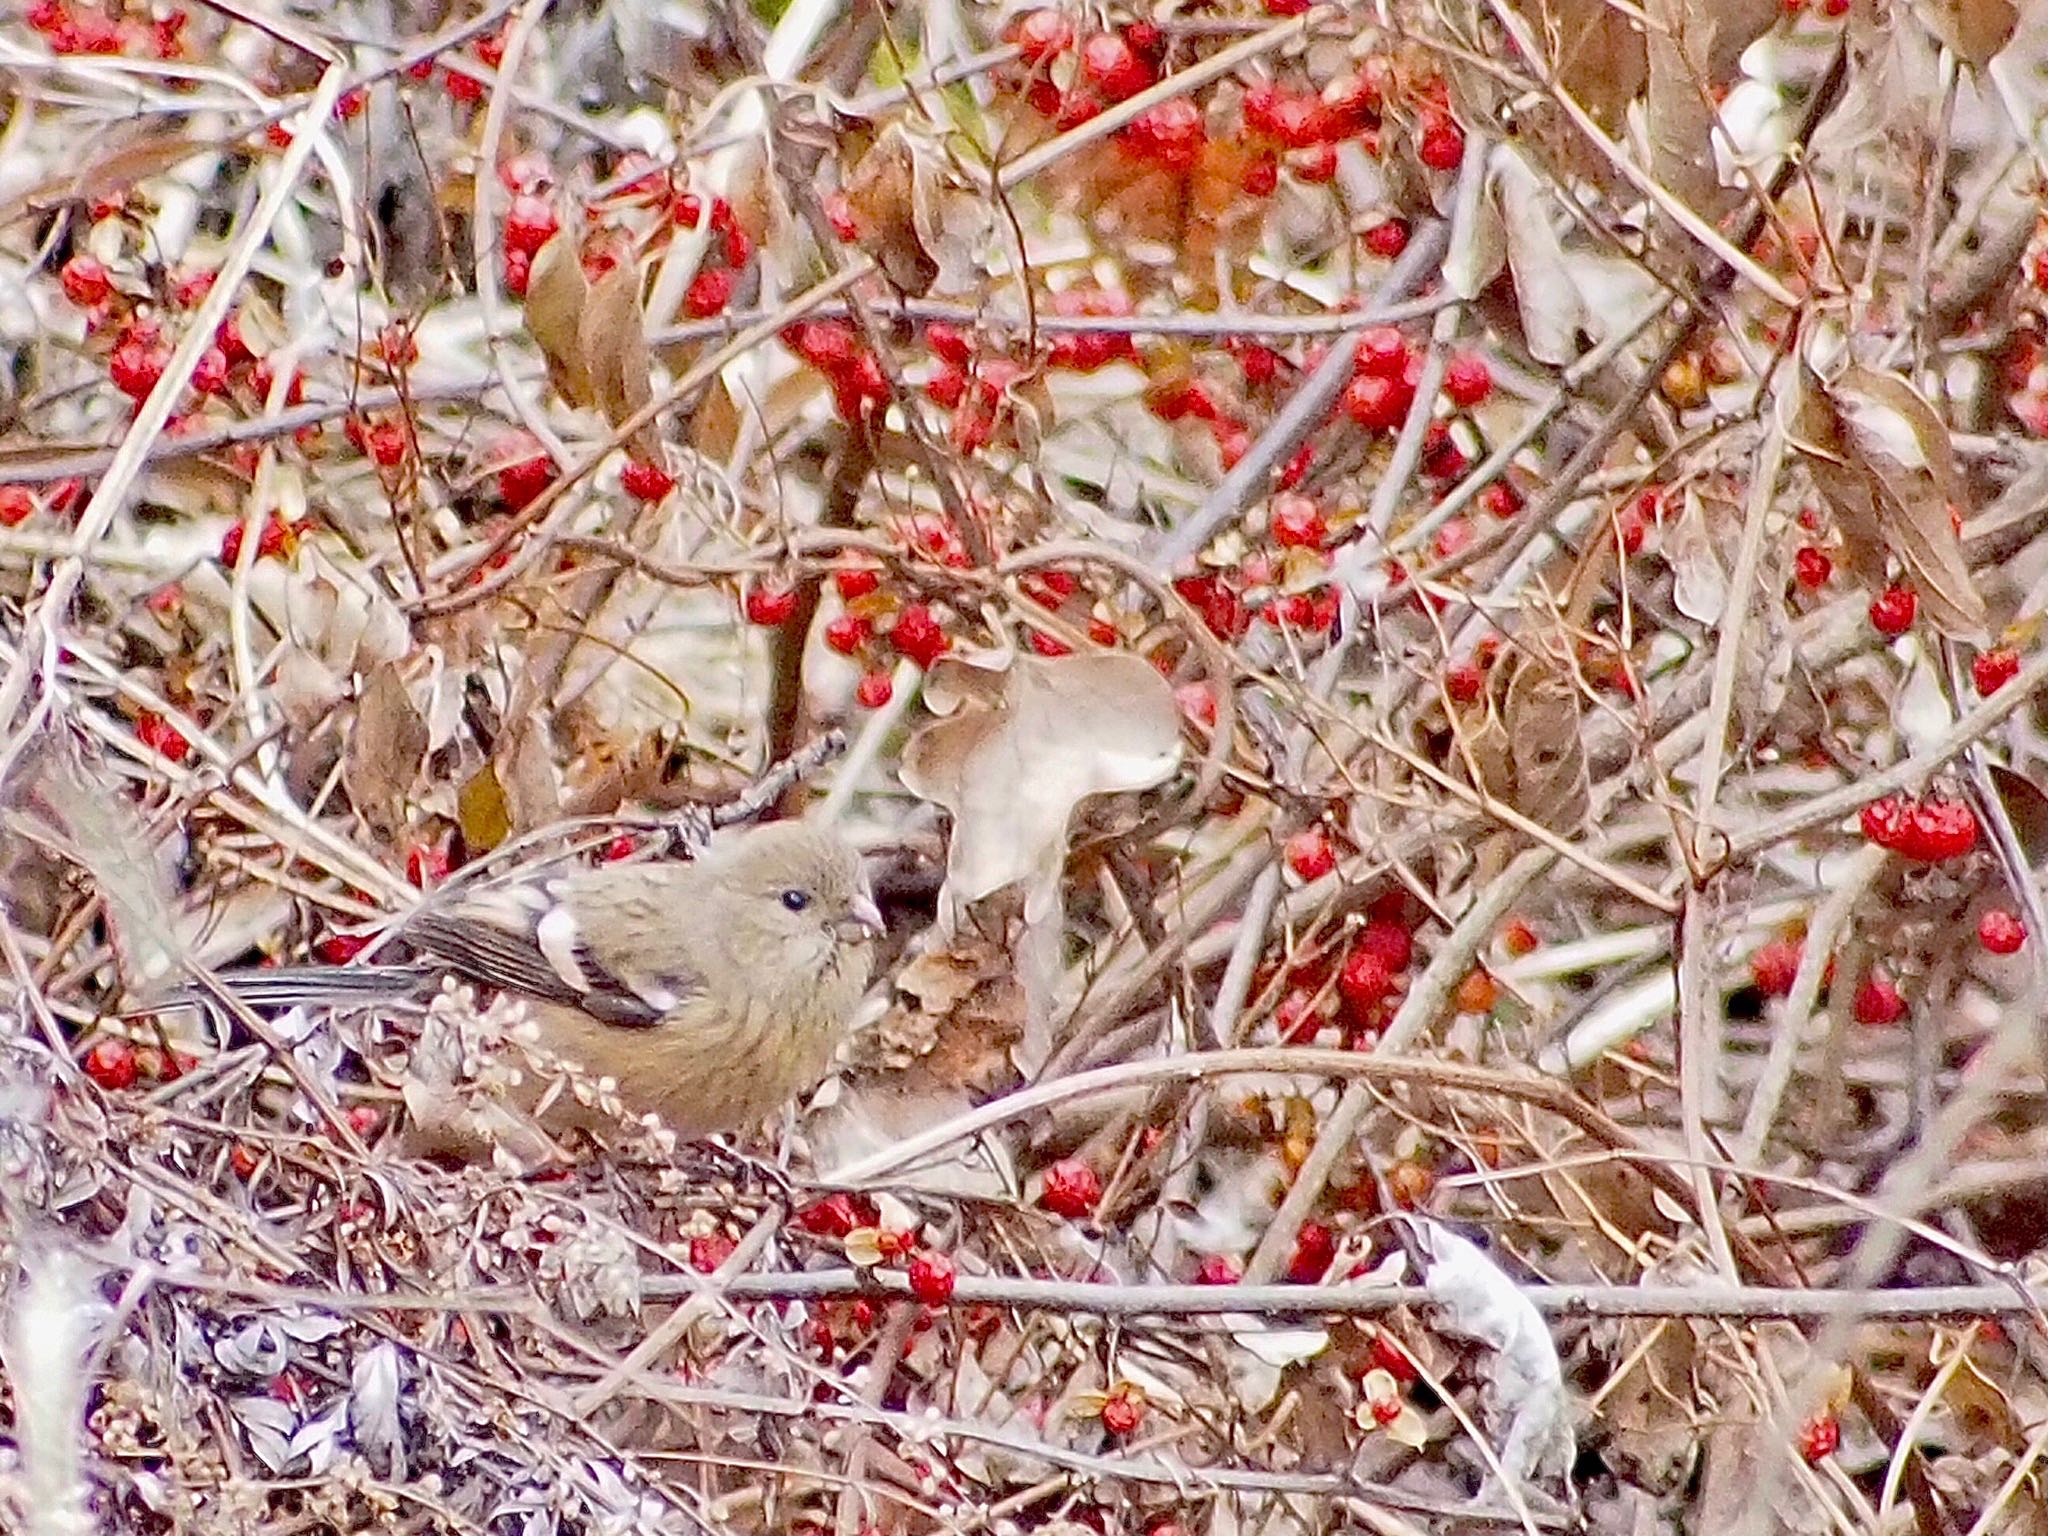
(799, 890)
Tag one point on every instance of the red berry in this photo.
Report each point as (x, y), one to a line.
(770, 606)
(523, 478)
(1310, 855)
(1262, 176)
(1892, 610)
(1392, 941)
(931, 1277)
(1465, 681)
(2000, 932)
(1811, 568)
(1297, 1018)
(1366, 982)
(426, 867)
(1218, 1269)
(874, 690)
(1375, 403)
(1941, 829)
(1819, 1436)
(1992, 670)
(709, 293)
(1877, 1001)
(1467, 380)
(1315, 1246)
(136, 364)
(1122, 1412)
(1774, 966)
(917, 635)
(848, 633)
(856, 581)
(1197, 703)
(1296, 522)
(1049, 646)
(1387, 239)
(529, 223)
(1442, 142)
(244, 1159)
(1043, 35)
(161, 737)
(837, 1214)
(85, 281)
(340, 948)
(708, 1250)
(386, 443)
(1519, 939)
(644, 481)
(1170, 134)
(1071, 1188)
(1383, 352)
(111, 1064)
(1113, 67)
(210, 374)
(17, 505)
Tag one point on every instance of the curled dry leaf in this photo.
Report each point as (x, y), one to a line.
(1699, 584)
(1026, 740)
(1976, 30)
(1551, 308)
(924, 228)
(386, 749)
(62, 798)
(1540, 713)
(556, 294)
(613, 339)
(1882, 458)
(1679, 115)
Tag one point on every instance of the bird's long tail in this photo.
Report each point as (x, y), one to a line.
(328, 986)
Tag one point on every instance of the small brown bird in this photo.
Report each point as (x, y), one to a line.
(712, 991)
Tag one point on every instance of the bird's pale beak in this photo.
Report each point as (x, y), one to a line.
(863, 923)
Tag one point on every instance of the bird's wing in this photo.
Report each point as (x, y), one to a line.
(527, 939)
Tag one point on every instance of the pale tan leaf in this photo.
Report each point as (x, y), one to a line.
(62, 798)
(1541, 713)
(882, 190)
(556, 293)
(1598, 52)
(1479, 246)
(1551, 308)
(1012, 768)
(1977, 30)
(613, 340)
(386, 749)
(1678, 115)
(1699, 584)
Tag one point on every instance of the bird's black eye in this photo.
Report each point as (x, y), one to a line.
(796, 900)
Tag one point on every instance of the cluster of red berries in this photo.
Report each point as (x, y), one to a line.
(859, 387)
(78, 29)
(1929, 830)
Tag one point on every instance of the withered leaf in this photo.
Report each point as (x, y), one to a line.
(1541, 712)
(1882, 458)
(1598, 53)
(1678, 111)
(882, 189)
(385, 750)
(482, 812)
(556, 293)
(1977, 30)
(1551, 307)
(1028, 739)
(613, 340)
(2026, 805)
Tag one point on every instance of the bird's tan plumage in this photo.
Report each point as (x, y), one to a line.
(711, 991)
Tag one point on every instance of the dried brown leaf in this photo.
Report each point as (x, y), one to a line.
(556, 295)
(882, 189)
(1679, 113)
(481, 811)
(613, 340)
(1977, 30)
(1027, 740)
(1882, 458)
(1541, 714)
(1598, 52)
(385, 750)
(1551, 308)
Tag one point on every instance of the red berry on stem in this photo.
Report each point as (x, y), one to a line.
(1113, 67)
(2000, 932)
(644, 481)
(1877, 1001)
(523, 478)
(848, 633)
(1819, 1436)
(1387, 239)
(17, 505)
(85, 281)
(1315, 1247)
(709, 293)
(770, 606)
(1441, 144)
(1296, 522)
(874, 690)
(1043, 35)
(1992, 670)
(917, 635)
(1310, 855)
(1366, 981)
(856, 581)
(1892, 611)
(1218, 1269)
(529, 224)
(1811, 567)
(1467, 380)
(111, 1064)
(931, 1277)
(1123, 1412)
(161, 737)
(1071, 1188)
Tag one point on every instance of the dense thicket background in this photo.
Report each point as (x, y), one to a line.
(1434, 610)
